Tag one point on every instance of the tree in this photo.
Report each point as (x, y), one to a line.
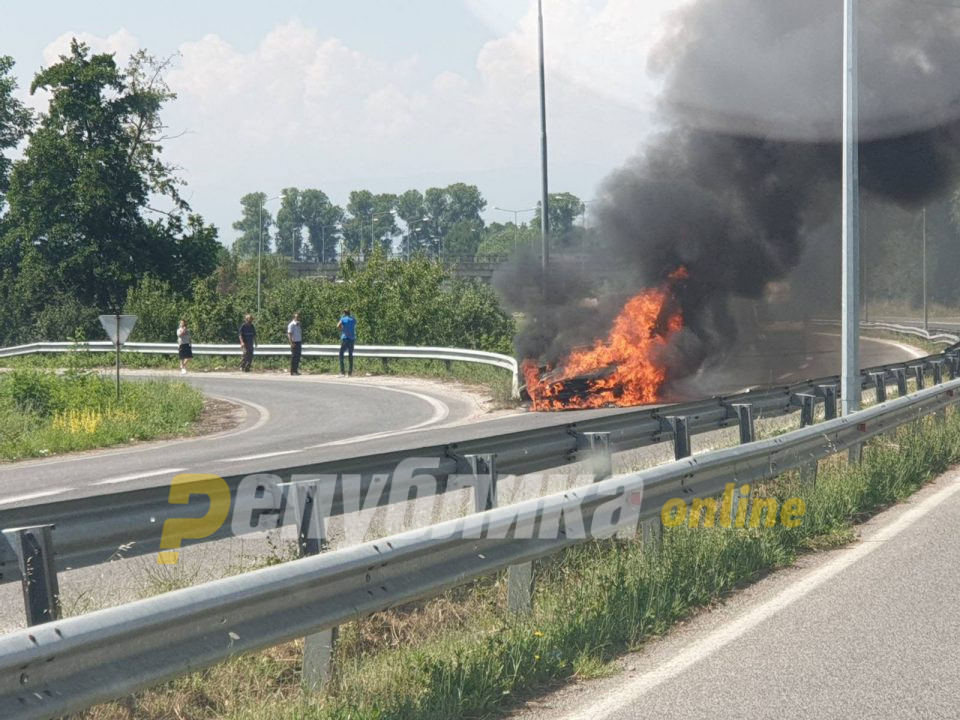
(289, 224)
(322, 219)
(80, 197)
(411, 210)
(254, 226)
(455, 206)
(371, 223)
(565, 208)
(15, 121)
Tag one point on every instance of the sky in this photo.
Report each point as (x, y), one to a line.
(384, 95)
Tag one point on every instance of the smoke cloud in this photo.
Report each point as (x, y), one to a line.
(747, 175)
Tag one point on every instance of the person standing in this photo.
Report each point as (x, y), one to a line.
(348, 335)
(295, 336)
(184, 350)
(248, 339)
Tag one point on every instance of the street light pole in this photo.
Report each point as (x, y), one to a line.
(516, 223)
(545, 204)
(260, 246)
(850, 389)
(924, 260)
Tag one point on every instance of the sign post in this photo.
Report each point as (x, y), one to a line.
(118, 328)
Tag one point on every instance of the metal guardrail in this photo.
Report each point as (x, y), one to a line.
(936, 336)
(67, 665)
(386, 352)
(92, 530)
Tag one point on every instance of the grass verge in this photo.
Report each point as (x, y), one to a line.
(491, 380)
(43, 413)
(463, 655)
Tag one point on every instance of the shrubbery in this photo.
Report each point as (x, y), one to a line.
(396, 302)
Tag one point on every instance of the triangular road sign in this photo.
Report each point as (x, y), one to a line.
(121, 329)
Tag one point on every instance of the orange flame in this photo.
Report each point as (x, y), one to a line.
(625, 368)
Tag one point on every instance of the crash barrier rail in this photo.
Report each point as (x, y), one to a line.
(64, 666)
(385, 352)
(93, 530)
(933, 335)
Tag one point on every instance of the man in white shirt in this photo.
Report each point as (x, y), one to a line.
(295, 335)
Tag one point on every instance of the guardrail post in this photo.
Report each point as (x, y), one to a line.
(808, 404)
(318, 648)
(681, 436)
(829, 393)
(483, 468)
(880, 383)
(918, 373)
(41, 590)
(601, 458)
(952, 365)
(937, 372)
(745, 419)
(901, 374)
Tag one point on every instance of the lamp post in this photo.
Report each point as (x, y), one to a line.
(924, 273)
(260, 246)
(850, 389)
(516, 225)
(545, 212)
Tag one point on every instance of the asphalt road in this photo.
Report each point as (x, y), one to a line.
(868, 631)
(298, 420)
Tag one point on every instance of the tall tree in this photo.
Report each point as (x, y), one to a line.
(360, 206)
(81, 214)
(565, 208)
(411, 209)
(289, 224)
(254, 226)
(456, 207)
(322, 219)
(15, 121)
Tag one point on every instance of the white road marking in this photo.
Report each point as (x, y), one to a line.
(440, 413)
(34, 496)
(261, 456)
(633, 689)
(137, 476)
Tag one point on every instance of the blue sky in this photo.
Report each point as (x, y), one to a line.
(383, 95)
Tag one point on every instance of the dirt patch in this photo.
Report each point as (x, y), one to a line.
(217, 416)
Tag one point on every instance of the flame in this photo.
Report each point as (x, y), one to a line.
(623, 369)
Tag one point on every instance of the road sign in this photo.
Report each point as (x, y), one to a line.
(118, 326)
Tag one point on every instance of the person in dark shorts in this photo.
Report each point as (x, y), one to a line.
(348, 336)
(184, 350)
(295, 336)
(248, 338)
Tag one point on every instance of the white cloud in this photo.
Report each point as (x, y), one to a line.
(305, 109)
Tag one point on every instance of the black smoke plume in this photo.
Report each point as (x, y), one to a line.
(749, 169)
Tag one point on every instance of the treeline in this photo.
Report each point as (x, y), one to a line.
(396, 303)
(90, 208)
(438, 222)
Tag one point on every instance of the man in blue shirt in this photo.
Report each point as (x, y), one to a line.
(348, 335)
(248, 338)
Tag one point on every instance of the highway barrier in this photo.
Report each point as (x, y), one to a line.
(64, 666)
(386, 352)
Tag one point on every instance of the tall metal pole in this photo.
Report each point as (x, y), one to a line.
(850, 388)
(545, 206)
(117, 340)
(925, 316)
(259, 251)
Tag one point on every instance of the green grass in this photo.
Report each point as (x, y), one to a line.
(494, 381)
(464, 655)
(43, 413)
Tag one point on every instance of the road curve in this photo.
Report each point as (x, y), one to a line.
(306, 419)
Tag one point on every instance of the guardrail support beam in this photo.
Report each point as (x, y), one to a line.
(483, 468)
(901, 374)
(808, 404)
(880, 383)
(681, 436)
(918, 373)
(745, 419)
(41, 590)
(597, 444)
(829, 393)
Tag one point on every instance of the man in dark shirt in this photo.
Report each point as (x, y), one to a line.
(248, 338)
